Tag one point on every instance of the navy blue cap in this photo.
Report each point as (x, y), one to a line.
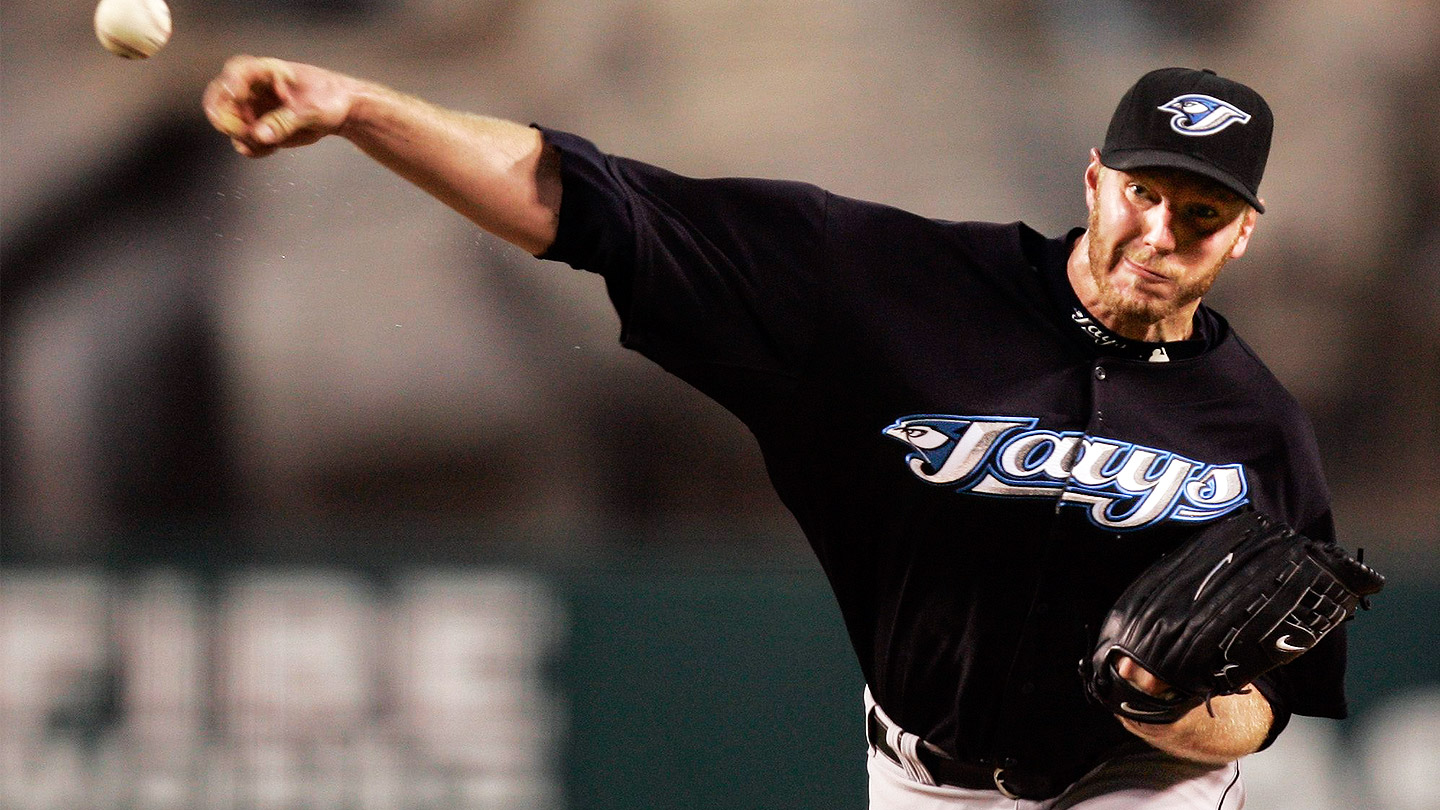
(1193, 120)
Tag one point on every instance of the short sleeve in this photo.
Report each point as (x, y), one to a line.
(703, 272)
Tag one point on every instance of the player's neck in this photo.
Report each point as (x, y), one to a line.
(1177, 325)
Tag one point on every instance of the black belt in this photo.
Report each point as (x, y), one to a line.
(970, 775)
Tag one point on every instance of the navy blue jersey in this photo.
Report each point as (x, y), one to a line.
(980, 468)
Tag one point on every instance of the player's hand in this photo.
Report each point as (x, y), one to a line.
(1142, 678)
(1197, 735)
(1157, 734)
(263, 104)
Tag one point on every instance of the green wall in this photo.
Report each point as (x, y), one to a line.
(711, 689)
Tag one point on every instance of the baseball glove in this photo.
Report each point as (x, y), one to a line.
(1241, 597)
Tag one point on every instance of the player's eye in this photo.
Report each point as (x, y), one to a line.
(1140, 192)
(1204, 219)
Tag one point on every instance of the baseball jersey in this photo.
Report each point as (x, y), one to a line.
(979, 466)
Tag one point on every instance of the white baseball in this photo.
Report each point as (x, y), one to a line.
(134, 29)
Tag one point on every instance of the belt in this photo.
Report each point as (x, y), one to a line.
(1011, 783)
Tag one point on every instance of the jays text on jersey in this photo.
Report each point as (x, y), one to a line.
(980, 468)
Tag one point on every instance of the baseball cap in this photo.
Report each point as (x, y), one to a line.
(1194, 120)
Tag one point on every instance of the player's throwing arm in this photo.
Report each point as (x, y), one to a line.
(494, 172)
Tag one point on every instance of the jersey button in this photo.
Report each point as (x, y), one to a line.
(1099, 372)
(1027, 688)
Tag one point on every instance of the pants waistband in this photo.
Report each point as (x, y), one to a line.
(926, 764)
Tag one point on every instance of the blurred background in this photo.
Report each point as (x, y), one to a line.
(314, 496)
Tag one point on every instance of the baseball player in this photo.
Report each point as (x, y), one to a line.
(985, 433)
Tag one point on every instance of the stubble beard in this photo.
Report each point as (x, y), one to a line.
(1135, 310)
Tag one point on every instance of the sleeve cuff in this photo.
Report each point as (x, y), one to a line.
(1278, 708)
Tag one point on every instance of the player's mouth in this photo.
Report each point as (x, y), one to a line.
(1143, 272)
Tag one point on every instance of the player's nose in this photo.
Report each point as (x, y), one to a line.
(1158, 231)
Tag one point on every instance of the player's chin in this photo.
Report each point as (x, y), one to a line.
(1141, 305)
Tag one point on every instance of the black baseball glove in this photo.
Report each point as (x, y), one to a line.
(1243, 596)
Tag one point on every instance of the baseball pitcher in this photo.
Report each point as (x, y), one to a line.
(1078, 533)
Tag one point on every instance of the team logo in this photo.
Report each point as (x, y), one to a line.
(1128, 709)
(1197, 114)
(1122, 485)
(1283, 645)
(1228, 558)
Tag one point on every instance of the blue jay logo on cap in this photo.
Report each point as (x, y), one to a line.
(1197, 114)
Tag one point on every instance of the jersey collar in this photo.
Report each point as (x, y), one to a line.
(1078, 322)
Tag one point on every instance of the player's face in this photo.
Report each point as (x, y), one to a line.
(1157, 241)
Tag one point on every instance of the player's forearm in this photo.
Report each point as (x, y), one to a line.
(495, 172)
(1239, 726)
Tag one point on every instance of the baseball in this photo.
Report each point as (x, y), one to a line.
(134, 29)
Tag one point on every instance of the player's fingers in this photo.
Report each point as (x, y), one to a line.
(251, 77)
(1142, 678)
(249, 148)
(222, 108)
(247, 102)
(277, 126)
(229, 97)
(248, 83)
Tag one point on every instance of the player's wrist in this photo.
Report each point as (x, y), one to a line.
(362, 108)
(1228, 728)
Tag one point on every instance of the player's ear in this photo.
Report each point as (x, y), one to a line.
(1247, 227)
(1092, 178)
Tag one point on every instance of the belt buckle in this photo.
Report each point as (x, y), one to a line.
(999, 778)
